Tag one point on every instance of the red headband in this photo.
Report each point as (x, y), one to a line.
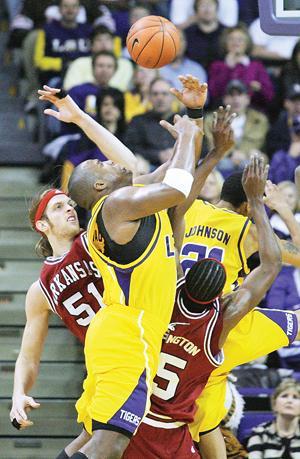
(43, 204)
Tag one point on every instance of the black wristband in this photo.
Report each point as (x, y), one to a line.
(61, 94)
(194, 113)
(16, 424)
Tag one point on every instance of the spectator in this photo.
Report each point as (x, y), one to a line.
(250, 127)
(279, 438)
(145, 136)
(212, 187)
(267, 47)
(136, 12)
(285, 161)
(110, 113)
(104, 66)
(81, 70)
(236, 44)
(184, 17)
(203, 36)
(137, 100)
(60, 42)
(291, 71)
(182, 66)
(85, 95)
(279, 136)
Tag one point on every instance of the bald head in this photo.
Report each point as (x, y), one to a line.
(93, 179)
(81, 185)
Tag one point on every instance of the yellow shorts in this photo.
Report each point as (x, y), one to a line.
(260, 332)
(121, 352)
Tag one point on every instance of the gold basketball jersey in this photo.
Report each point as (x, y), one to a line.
(149, 282)
(213, 232)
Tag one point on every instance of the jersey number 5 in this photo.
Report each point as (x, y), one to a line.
(170, 376)
(77, 310)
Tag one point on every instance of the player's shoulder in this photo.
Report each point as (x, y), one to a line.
(35, 299)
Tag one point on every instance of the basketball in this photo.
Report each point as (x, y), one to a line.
(153, 41)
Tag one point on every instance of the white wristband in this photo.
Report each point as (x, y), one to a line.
(179, 179)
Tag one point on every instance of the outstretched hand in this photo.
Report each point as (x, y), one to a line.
(274, 198)
(254, 177)
(222, 132)
(193, 93)
(68, 110)
(182, 124)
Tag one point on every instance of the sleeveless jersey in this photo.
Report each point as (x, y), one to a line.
(149, 282)
(73, 287)
(212, 232)
(190, 352)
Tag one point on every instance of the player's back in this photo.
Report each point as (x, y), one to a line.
(73, 286)
(140, 274)
(190, 352)
(219, 233)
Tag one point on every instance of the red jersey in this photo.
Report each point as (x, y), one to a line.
(189, 354)
(73, 287)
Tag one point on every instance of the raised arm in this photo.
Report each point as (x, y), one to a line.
(69, 112)
(223, 141)
(253, 289)
(132, 203)
(27, 364)
(193, 96)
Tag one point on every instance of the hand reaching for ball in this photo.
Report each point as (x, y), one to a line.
(193, 93)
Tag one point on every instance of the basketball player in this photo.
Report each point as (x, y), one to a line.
(200, 323)
(70, 285)
(131, 242)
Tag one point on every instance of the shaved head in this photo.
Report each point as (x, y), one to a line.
(93, 179)
(81, 186)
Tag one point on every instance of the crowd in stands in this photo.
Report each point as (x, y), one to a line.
(79, 45)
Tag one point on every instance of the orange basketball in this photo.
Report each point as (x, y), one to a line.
(153, 42)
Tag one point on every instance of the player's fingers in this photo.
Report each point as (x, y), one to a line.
(220, 113)
(177, 118)
(176, 93)
(50, 112)
(261, 166)
(33, 403)
(25, 424)
(266, 171)
(168, 127)
(227, 113)
(52, 90)
(215, 120)
(48, 99)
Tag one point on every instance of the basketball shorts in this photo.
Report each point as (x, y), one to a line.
(157, 443)
(260, 332)
(121, 353)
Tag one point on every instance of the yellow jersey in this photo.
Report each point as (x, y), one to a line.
(219, 233)
(149, 282)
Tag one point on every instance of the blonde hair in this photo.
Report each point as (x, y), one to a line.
(286, 384)
(42, 248)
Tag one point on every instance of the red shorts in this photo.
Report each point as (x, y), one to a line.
(156, 443)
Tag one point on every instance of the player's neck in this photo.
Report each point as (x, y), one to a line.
(60, 246)
(225, 205)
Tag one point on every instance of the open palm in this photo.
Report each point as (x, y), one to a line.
(193, 93)
(68, 110)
